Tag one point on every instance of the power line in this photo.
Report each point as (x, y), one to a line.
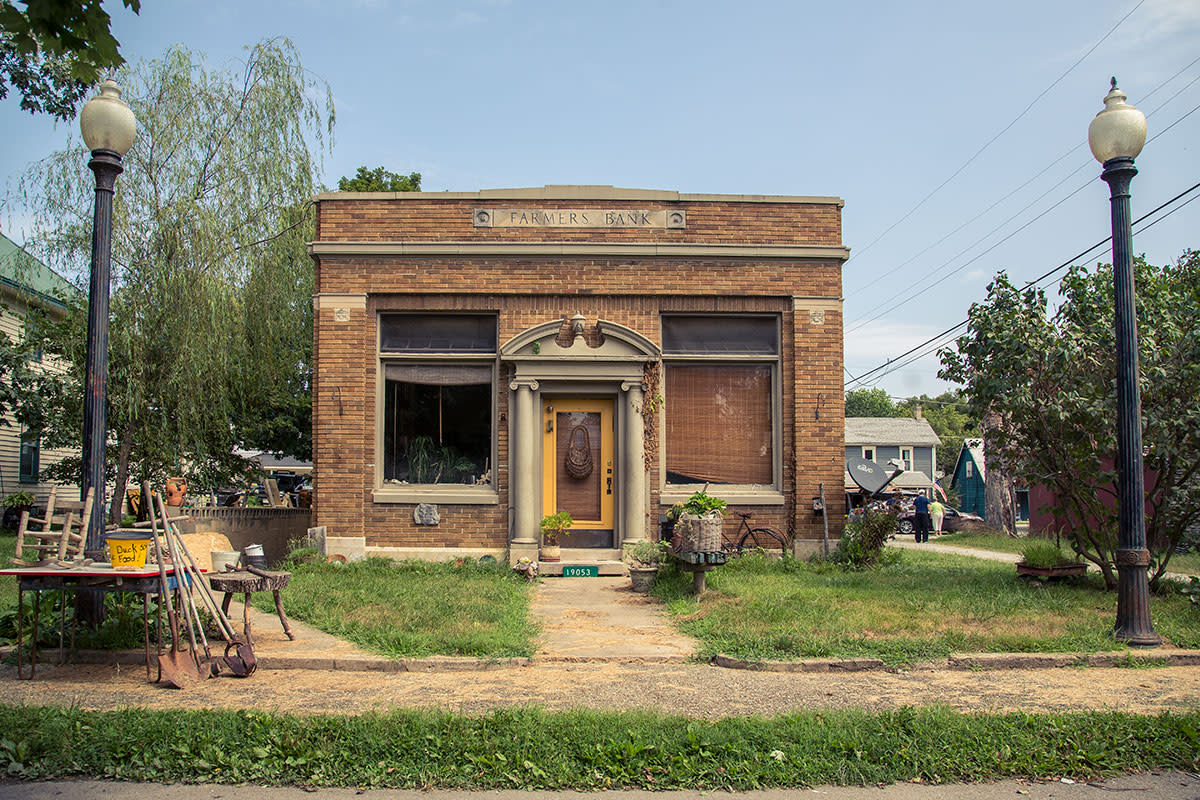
(1003, 131)
(891, 366)
(911, 293)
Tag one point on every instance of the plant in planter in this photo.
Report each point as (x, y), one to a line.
(644, 559)
(698, 528)
(554, 526)
(14, 504)
(1041, 558)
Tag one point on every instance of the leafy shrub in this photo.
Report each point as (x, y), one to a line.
(861, 546)
(702, 503)
(19, 499)
(646, 554)
(556, 525)
(1043, 553)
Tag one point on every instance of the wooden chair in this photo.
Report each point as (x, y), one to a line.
(59, 535)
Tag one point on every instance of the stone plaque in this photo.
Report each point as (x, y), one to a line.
(578, 218)
(426, 514)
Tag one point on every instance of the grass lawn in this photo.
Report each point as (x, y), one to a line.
(8, 586)
(1187, 564)
(926, 606)
(581, 750)
(414, 608)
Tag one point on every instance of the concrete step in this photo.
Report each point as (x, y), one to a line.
(607, 561)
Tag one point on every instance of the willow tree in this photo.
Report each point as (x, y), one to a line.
(211, 293)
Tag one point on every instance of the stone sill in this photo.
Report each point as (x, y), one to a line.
(734, 496)
(451, 495)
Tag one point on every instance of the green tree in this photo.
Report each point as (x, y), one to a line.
(53, 50)
(1051, 380)
(211, 327)
(949, 414)
(380, 180)
(871, 403)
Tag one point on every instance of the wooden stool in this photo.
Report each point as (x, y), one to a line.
(246, 582)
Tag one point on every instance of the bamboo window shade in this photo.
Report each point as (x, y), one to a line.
(718, 424)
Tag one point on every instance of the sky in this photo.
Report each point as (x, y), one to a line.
(954, 132)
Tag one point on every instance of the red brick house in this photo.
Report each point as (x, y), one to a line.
(469, 344)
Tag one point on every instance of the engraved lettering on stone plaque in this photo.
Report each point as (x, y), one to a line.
(577, 218)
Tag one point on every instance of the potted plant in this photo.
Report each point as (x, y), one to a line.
(699, 523)
(644, 558)
(554, 526)
(14, 504)
(1041, 558)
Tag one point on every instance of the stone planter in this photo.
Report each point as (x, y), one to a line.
(550, 552)
(1070, 569)
(643, 578)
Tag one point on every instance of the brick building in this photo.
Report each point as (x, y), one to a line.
(467, 345)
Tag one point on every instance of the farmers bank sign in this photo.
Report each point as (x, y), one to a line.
(577, 218)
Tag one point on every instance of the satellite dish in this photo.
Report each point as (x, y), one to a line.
(869, 476)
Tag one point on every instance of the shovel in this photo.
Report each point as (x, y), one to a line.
(209, 668)
(179, 669)
(242, 662)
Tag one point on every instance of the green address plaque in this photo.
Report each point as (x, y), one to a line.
(581, 571)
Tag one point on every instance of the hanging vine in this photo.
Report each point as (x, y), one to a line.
(651, 403)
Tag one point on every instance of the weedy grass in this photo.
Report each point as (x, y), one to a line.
(925, 606)
(1185, 563)
(8, 586)
(414, 608)
(586, 750)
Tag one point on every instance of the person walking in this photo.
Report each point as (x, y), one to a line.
(937, 513)
(921, 520)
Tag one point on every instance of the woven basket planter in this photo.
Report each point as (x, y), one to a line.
(699, 534)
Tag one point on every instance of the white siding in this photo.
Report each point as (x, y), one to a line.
(12, 324)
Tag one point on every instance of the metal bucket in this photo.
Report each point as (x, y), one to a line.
(255, 556)
(223, 558)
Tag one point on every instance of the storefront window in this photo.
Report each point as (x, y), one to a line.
(720, 399)
(437, 413)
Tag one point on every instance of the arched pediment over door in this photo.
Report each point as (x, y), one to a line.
(536, 354)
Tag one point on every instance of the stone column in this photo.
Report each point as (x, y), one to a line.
(522, 488)
(633, 495)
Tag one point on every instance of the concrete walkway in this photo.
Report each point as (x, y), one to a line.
(603, 619)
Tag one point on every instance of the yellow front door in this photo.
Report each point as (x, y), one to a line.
(574, 428)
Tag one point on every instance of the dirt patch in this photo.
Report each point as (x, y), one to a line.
(687, 689)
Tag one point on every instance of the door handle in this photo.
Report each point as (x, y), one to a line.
(608, 480)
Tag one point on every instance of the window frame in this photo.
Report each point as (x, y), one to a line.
(453, 493)
(743, 494)
(868, 449)
(909, 462)
(23, 475)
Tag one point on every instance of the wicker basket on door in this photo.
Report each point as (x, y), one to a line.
(699, 534)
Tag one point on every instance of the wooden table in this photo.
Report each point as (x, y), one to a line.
(143, 581)
(242, 582)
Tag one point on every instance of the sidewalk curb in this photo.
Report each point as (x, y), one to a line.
(978, 662)
(1167, 657)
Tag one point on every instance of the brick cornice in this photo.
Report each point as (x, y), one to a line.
(580, 250)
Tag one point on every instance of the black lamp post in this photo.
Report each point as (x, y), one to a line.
(108, 128)
(1116, 136)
